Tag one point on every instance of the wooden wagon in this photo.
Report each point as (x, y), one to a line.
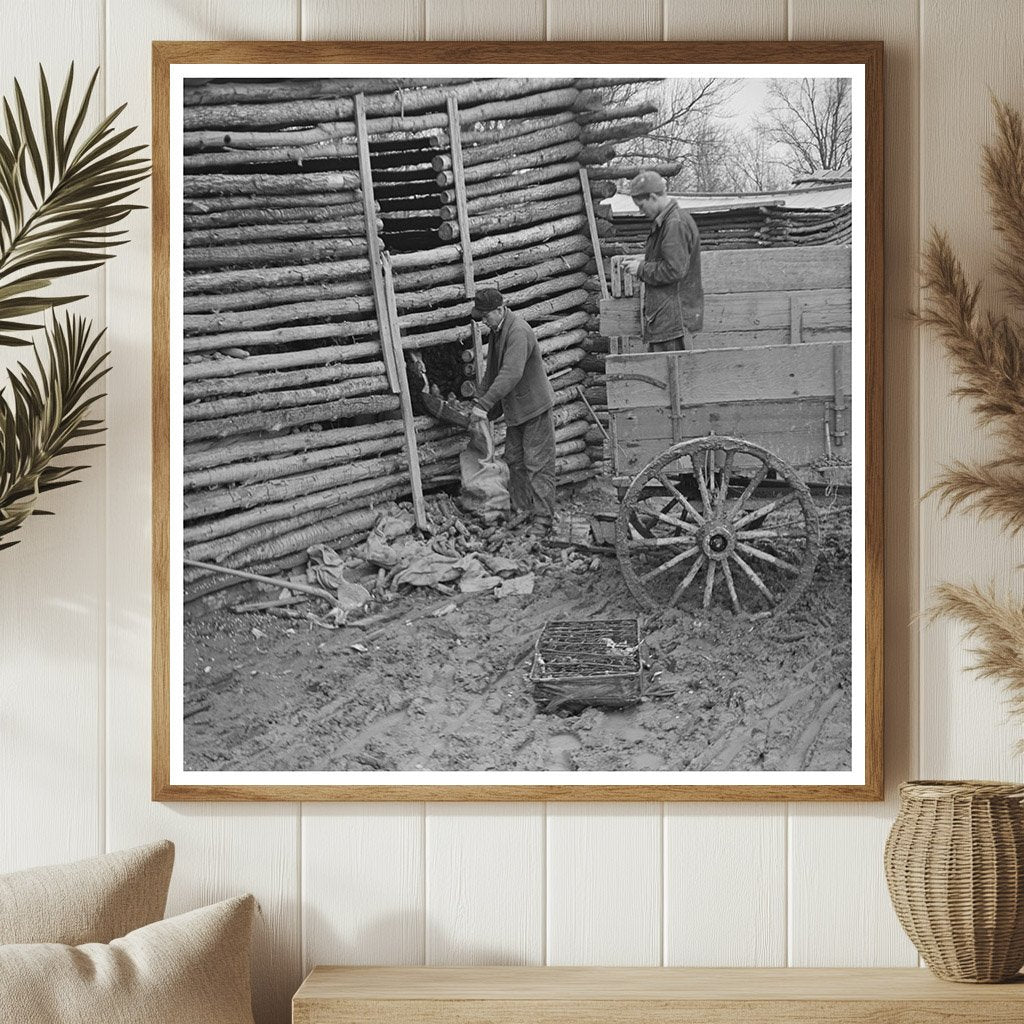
(722, 455)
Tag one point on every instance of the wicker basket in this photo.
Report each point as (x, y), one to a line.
(954, 861)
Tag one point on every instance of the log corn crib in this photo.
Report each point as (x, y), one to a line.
(267, 253)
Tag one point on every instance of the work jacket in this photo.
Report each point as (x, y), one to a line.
(673, 293)
(515, 381)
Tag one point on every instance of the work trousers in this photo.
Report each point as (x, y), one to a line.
(680, 344)
(530, 454)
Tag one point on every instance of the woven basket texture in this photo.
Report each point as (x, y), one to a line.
(954, 862)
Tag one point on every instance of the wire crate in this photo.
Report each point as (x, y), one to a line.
(593, 663)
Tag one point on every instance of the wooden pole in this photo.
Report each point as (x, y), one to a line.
(373, 242)
(408, 419)
(462, 212)
(595, 240)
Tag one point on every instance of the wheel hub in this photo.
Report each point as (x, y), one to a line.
(717, 540)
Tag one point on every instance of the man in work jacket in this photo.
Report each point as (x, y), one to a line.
(673, 303)
(515, 383)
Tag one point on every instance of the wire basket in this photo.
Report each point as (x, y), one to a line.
(593, 663)
(954, 862)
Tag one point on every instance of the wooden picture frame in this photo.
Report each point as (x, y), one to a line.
(173, 61)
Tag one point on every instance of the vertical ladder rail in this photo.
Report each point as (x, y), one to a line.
(595, 241)
(459, 181)
(408, 421)
(373, 244)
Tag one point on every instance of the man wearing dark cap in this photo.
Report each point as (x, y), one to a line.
(673, 303)
(515, 383)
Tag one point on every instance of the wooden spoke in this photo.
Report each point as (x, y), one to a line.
(723, 484)
(752, 485)
(681, 498)
(709, 583)
(661, 542)
(686, 581)
(754, 578)
(778, 534)
(749, 549)
(665, 566)
(680, 524)
(702, 484)
(765, 510)
(730, 584)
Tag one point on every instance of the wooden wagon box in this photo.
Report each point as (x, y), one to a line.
(793, 400)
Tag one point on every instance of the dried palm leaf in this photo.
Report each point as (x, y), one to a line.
(997, 628)
(46, 419)
(61, 193)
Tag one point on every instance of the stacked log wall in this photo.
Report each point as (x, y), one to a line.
(292, 434)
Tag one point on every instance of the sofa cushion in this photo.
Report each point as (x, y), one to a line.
(92, 900)
(190, 969)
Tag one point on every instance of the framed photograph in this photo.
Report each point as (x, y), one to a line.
(517, 421)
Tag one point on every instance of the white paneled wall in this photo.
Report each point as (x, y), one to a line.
(743, 884)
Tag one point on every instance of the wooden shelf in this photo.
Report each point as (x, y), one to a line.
(635, 995)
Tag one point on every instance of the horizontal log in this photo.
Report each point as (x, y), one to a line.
(331, 182)
(532, 314)
(512, 218)
(281, 419)
(605, 114)
(535, 103)
(290, 313)
(364, 453)
(316, 134)
(499, 168)
(590, 156)
(517, 180)
(285, 276)
(516, 146)
(567, 379)
(268, 254)
(283, 201)
(404, 102)
(559, 342)
(221, 453)
(554, 361)
(521, 277)
(251, 383)
(616, 171)
(305, 493)
(225, 367)
(254, 278)
(616, 131)
(297, 155)
(277, 90)
(265, 400)
(514, 128)
(594, 90)
(263, 297)
(272, 215)
(514, 197)
(256, 233)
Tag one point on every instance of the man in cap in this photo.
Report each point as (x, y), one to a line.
(515, 383)
(673, 304)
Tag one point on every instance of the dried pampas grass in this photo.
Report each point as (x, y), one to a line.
(987, 354)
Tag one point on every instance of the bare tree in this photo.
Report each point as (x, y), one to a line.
(812, 120)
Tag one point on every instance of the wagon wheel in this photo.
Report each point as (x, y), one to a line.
(717, 518)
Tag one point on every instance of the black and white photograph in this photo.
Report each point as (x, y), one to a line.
(517, 425)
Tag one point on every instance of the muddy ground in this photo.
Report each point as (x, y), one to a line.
(265, 693)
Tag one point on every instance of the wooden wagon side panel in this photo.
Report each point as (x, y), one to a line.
(780, 397)
(755, 297)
